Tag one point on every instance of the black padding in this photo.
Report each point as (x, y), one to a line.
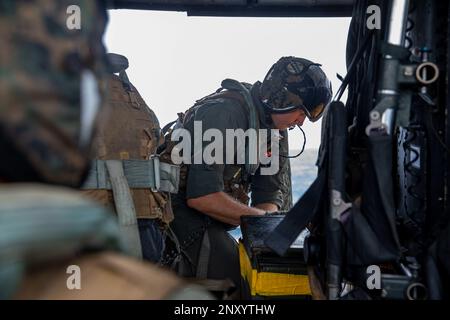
(117, 62)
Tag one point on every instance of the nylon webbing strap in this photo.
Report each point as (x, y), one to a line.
(124, 204)
(381, 154)
(296, 220)
(203, 259)
(140, 174)
(253, 120)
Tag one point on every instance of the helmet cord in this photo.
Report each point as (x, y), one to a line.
(303, 147)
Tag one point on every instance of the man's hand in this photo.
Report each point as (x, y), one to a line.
(222, 207)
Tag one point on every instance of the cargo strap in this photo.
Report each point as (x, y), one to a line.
(124, 204)
(140, 174)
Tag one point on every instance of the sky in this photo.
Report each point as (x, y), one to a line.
(175, 59)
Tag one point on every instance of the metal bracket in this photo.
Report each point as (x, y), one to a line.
(338, 205)
(376, 125)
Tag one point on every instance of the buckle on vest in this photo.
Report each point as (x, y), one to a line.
(156, 175)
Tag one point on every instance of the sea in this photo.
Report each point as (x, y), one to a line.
(303, 173)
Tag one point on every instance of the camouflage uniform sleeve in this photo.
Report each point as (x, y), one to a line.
(219, 114)
(41, 63)
(272, 188)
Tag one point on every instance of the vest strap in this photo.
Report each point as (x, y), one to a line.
(140, 174)
(124, 207)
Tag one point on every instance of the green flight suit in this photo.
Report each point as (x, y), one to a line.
(189, 224)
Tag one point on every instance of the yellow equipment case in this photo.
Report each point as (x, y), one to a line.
(265, 274)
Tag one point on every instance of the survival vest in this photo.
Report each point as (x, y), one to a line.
(238, 186)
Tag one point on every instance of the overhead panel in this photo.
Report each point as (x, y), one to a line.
(243, 8)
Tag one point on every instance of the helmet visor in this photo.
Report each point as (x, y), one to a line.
(315, 113)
